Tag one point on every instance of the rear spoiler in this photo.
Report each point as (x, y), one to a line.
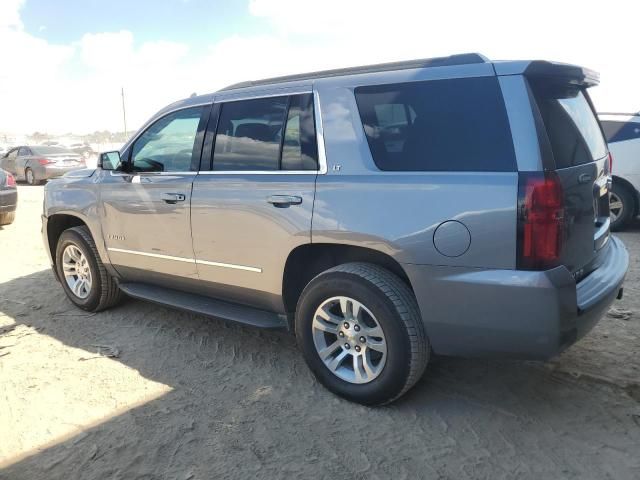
(564, 72)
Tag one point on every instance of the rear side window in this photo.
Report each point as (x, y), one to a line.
(262, 134)
(571, 124)
(300, 149)
(440, 125)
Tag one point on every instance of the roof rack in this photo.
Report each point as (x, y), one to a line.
(460, 59)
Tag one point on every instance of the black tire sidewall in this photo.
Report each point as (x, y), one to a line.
(394, 375)
(33, 175)
(70, 237)
(628, 206)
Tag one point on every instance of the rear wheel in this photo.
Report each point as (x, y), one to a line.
(30, 177)
(621, 206)
(82, 274)
(7, 218)
(360, 331)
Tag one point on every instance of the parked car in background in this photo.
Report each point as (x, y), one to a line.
(37, 163)
(83, 149)
(8, 198)
(382, 213)
(623, 135)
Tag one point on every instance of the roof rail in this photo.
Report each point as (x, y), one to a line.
(460, 59)
(637, 114)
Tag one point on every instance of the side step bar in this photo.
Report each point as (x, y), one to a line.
(205, 306)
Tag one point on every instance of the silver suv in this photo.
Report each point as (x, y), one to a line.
(453, 206)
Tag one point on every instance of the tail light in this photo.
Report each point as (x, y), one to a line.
(540, 220)
(45, 161)
(11, 181)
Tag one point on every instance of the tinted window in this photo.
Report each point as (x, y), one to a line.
(442, 125)
(249, 134)
(23, 152)
(620, 131)
(44, 150)
(168, 145)
(266, 134)
(571, 124)
(299, 149)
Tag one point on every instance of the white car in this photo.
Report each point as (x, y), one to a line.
(623, 134)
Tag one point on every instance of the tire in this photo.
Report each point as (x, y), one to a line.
(30, 177)
(621, 195)
(389, 303)
(7, 218)
(104, 291)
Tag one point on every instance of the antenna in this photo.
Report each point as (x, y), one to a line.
(124, 114)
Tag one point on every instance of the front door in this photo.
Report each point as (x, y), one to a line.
(146, 204)
(254, 205)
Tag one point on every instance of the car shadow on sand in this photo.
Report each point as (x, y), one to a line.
(243, 404)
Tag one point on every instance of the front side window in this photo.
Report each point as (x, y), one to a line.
(439, 125)
(24, 152)
(168, 144)
(266, 134)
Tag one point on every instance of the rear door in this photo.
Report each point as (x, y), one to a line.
(579, 155)
(253, 204)
(145, 211)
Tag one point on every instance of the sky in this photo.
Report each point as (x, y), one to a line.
(63, 63)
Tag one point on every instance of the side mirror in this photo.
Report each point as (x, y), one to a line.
(109, 160)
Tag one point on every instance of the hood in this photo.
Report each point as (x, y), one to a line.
(82, 173)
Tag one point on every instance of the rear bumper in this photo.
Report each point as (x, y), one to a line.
(513, 313)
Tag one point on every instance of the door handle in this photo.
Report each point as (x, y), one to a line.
(173, 197)
(284, 201)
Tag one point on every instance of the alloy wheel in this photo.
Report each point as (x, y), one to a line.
(77, 272)
(349, 340)
(616, 206)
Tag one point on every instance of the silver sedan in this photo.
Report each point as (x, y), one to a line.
(35, 164)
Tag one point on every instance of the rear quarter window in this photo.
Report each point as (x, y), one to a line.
(570, 122)
(438, 125)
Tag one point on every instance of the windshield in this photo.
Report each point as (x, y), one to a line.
(571, 124)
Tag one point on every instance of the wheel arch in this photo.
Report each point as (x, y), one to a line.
(308, 260)
(58, 223)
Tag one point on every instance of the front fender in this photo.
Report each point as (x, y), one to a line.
(79, 198)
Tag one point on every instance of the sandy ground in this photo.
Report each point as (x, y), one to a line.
(187, 397)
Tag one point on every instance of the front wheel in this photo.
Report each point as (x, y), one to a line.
(360, 331)
(81, 272)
